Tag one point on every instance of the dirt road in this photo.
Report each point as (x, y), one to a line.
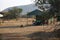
(28, 33)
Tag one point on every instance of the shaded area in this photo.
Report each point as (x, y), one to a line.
(41, 35)
(10, 26)
(55, 35)
(18, 26)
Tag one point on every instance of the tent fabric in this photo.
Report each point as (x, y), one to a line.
(35, 12)
(1, 14)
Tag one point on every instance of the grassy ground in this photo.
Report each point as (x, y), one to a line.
(30, 33)
(46, 32)
(20, 21)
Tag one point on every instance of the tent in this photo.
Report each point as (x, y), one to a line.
(1, 14)
(38, 14)
(35, 12)
(41, 17)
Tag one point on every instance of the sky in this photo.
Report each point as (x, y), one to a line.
(10, 3)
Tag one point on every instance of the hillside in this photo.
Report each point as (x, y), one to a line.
(26, 8)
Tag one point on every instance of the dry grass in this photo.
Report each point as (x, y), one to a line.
(20, 21)
(36, 33)
(22, 33)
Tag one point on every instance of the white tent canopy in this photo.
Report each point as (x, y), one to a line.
(1, 15)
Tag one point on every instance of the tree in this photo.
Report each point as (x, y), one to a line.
(44, 6)
(55, 6)
(13, 13)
